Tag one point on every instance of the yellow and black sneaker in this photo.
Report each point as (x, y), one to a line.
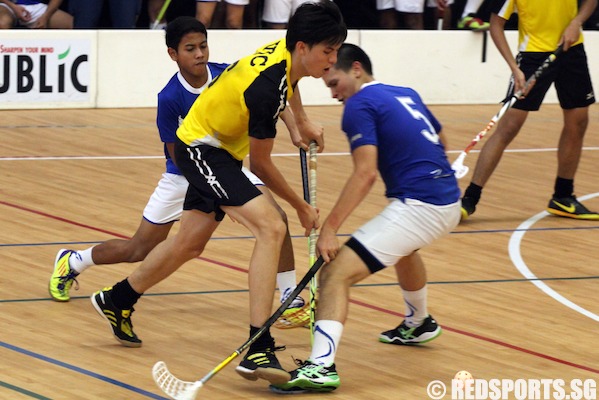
(119, 320)
(570, 207)
(263, 364)
(62, 277)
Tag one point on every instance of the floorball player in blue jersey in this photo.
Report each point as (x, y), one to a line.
(391, 132)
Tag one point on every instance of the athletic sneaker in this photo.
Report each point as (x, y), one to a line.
(63, 277)
(119, 320)
(473, 23)
(468, 207)
(403, 334)
(263, 364)
(296, 315)
(570, 207)
(310, 377)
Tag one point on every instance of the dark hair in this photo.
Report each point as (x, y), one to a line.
(348, 53)
(181, 26)
(316, 22)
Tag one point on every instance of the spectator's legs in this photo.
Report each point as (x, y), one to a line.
(7, 19)
(205, 12)
(123, 13)
(61, 20)
(86, 13)
(413, 20)
(235, 16)
(388, 19)
(252, 15)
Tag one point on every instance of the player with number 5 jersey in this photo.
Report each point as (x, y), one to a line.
(391, 132)
(414, 164)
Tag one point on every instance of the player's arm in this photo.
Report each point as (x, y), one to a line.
(262, 165)
(573, 30)
(289, 120)
(309, 131)
(497, 31)
(356, 188)
(170, 147)
(167, 122)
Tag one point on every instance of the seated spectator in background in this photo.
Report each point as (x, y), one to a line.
(412, 12)
(34, 14)
(234, 14)
(253, 14)
(276, 13)
(359, 15)
(87, 13)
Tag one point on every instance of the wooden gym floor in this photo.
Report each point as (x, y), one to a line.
(516, 290)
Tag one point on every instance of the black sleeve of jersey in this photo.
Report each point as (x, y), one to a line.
(265, 98)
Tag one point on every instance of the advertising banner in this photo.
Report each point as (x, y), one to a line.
(46, 72)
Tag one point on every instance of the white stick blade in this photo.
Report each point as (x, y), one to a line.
(172, 386)
(460, 170)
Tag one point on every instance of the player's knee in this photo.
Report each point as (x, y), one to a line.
(6, 22)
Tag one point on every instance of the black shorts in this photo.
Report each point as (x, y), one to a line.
(569, 72)
(215, 179)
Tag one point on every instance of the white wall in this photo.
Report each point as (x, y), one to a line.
(128, 68)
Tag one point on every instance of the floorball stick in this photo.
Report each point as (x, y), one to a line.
(312, 240)
(161, 14)
(458, 165)
(309, 185)
(183, 390)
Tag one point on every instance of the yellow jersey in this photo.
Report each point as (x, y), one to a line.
(541, 23)
(245, 100)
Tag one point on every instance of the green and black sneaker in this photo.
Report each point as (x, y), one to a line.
(310, 377)
(404, 334)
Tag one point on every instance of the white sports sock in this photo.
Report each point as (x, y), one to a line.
(416, 311)
(471, 7)
(81, 260)
(327, 335)
(286, 283)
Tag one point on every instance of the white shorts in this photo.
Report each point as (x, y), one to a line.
(236, 2)
(166, 203)
(407, 6)
(35, 10)
(404, 227)
(279, 11)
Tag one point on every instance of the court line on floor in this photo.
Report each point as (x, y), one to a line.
(516, 257)
(336, 154)
(473, 335)
(23, 391)
(80, 370)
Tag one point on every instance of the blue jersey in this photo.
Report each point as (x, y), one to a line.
(174, 102)
(411, 159)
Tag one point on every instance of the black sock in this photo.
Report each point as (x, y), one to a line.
(563, 187)
(473, 191)
(265, 341)
(123, 296)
